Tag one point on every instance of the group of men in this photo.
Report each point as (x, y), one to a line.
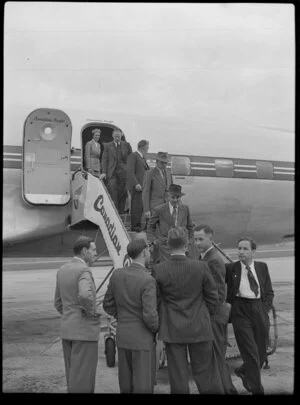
(126, 172)
(181, 302)
(164, 296)
(112, 166)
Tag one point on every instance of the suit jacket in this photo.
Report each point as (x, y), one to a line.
(75, 300)
(154, 189)
(131, 299)
(218, 271)
(187, 295)
(233, 278)
(135, 170)
(163, 219)
(92, 156)
(109, 157)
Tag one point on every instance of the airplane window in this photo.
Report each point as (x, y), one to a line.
(180, 165)
(48, 133)
(224, 167)
(264, 170)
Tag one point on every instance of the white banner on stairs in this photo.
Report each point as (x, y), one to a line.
(100, 209)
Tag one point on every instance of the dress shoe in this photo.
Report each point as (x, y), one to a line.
(238, 372)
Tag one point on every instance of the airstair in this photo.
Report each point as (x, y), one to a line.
(92, 202)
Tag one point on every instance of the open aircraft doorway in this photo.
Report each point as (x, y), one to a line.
(105, 136)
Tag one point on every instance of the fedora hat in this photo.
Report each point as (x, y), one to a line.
(162, 156)
(95, 130)
(176, 190)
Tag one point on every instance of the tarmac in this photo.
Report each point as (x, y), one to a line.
(32, 352)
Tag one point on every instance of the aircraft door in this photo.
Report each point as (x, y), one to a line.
(46, 157)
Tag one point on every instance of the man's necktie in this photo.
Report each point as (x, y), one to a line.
(174, 215)
(252, 282)
(165, 177)
(147, 166)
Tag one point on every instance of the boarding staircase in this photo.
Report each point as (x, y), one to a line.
(92, 203)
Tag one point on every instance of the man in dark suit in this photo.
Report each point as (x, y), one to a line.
(114, 161)
(75, 300)
(187, 296)
(136, 168)
(251, 295)
(156, 184)
(203, 241)
(131, 299)
(165, 216)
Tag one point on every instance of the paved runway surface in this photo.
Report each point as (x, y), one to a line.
(32, 355)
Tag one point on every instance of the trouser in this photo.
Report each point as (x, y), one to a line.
(136, 370)
(203, 363)
(81, 359)
(250, 323)
(136, 209)
(220, 344)
(116, 186)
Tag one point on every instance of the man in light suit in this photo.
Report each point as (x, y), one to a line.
(165, 216)
(250, 293)
(203, 241)
(136, 168)
(156, 184)
(114, 161)
(75, 300)
(131, 299)
(92, 154)
(187, 297)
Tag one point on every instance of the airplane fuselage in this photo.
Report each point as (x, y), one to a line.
(230, 199)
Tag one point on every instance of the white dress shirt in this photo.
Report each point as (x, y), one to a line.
(161, 173)
(96, 143)
(245, 290)
(171, 212)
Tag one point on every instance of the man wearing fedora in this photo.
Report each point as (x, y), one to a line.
(156, 184)
(166, 216)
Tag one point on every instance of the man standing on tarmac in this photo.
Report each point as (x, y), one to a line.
(75, 300)
(187, 296)
(250, 294)
(131, 299)
(203, 242)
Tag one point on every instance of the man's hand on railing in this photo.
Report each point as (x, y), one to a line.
(147, 214)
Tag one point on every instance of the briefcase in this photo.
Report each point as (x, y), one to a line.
(222, 313)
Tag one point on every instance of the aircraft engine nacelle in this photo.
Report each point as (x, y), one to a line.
(46, 157)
